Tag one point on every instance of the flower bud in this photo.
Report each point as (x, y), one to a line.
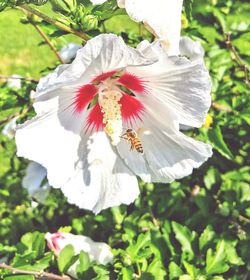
(89, 22)
(98, 251)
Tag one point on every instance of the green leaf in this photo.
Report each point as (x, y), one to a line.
(143, 240)
(231, 253)
(66, 229)
(19, 277)
(156, 268)
(191, 270)
(206, 237)
(185, 277)
(188, 6)
(166, 230)
(66, 258)
(211, 177)
(174, 270)
(216, 138)
(220, 18)
(34, 242)
(185, 237)
(127, 273)
(84, 263)
(216, 262)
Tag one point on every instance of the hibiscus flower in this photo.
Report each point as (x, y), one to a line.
(97, 251)
(161, 17)
(84, 108)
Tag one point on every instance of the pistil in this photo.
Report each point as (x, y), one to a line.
(111, 109)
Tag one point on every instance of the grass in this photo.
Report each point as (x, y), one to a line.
(19, 50)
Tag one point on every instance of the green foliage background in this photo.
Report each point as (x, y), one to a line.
(194, 228)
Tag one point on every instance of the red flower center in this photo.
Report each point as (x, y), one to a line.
(126, 83)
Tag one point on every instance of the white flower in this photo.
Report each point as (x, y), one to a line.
(110, 87)
(162, 17)
(10, 128)
(68, 52)
(97, 251)
(191, 49)
(194, 51)
(14, 81)
(32, 181)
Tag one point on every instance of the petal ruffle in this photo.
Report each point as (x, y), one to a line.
(170, 154)
(191, 49)
(181, 85)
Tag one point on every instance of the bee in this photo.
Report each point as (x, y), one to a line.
(131, 136)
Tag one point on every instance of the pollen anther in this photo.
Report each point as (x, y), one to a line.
(112, 117)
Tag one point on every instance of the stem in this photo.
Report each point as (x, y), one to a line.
(57, 23)
(22, 113)
(244, 219)
(155, 221)
(48, 42)
(18, 78)
(236, 57)
(43, 275)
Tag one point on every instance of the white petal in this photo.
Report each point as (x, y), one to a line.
(104, 53)
(101, 179)
(191, 49)
(35, 174)
(182, 86)
(133, 159)
(68, 52)
(10, 128)
(162, 16)
(170, 154)
(46, 141)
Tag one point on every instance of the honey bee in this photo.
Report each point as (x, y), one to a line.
(131, 136)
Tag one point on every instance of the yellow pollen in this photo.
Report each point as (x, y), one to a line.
(112, 118)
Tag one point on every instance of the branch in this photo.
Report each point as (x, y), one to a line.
(47, 40)
(221, 107)
(57, 23)
(23, 112)
(46, 275)
(236, 57)
(155, 221)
